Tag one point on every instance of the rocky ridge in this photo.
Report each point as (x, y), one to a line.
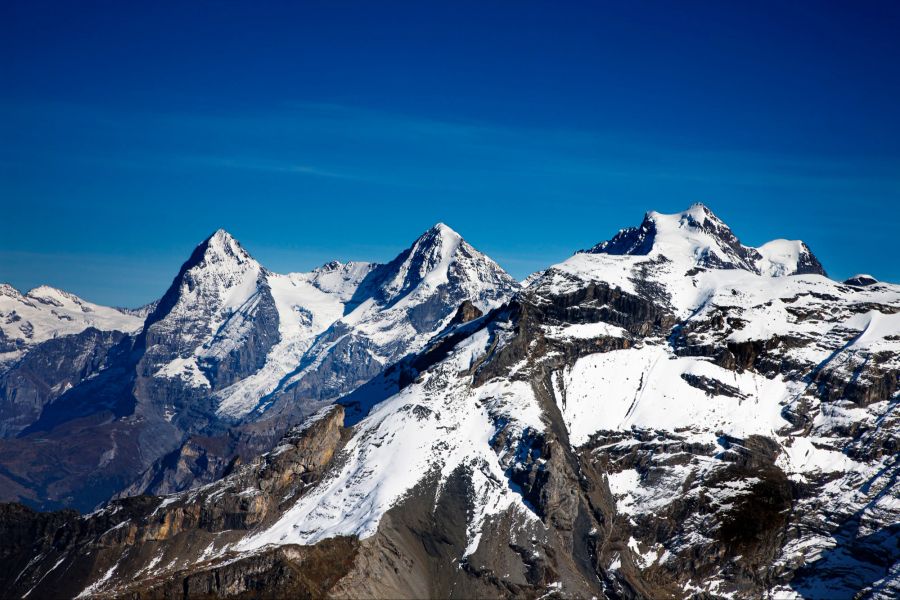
(226, 362)
(668, 419)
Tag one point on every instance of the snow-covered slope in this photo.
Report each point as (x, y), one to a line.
(45, 313)
(682, 258)
(698, 238)
(307, 304)
(378, 313)
(437, 425)
(757, 352)
(230, 343)
(670, 414)
(743, 415)
(787, 257)
(206, 313)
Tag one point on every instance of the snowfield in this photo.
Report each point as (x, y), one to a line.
(45, 313)
(712, 387)
(434, 426)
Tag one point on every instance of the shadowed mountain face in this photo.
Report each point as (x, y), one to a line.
(50, 341)
(671, 414)
(226, 361)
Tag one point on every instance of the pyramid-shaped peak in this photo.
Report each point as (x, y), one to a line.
(438, 244)
(221, 236)
(438, 257)
(219, 273)
(220, 239)
(442, 227)
(220, 247)
(440, 231)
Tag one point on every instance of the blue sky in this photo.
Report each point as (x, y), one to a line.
(324, 130)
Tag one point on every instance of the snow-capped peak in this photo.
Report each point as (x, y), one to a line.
(439, 257)
(787, 257)
(439, 241)
(9, 291)
(427, 259)
(223, 247)
(53, 295)
(219, 271)
(44, 294)
(443, 229)
(696, 215)
(697, 236)
(219, 281)
(46, 312)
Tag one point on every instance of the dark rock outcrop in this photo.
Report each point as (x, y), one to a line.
(61, 554)
(49, 370)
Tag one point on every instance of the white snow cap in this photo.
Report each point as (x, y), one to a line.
(781, 257)
(221, 245)
(441, 226)
(46, 312)
(698, 236)
(220, 283)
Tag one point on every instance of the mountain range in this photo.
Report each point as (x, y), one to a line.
(667, 414)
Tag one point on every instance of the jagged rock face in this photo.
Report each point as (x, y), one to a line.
(778, 450)
(465, 313)
(666, 424)
(228, 359)
(214, 326)
(388, 311)
(50, 341)
(203, 459)
(57, 554)
(48, 370)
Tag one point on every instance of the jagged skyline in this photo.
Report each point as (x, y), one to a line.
(131, 132)
(696, 414)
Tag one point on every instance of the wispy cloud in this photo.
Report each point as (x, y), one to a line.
(255, 164)
(558, 188)
(349, 143)
(414, 144)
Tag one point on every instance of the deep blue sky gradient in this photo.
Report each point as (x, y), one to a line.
(318, 130)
